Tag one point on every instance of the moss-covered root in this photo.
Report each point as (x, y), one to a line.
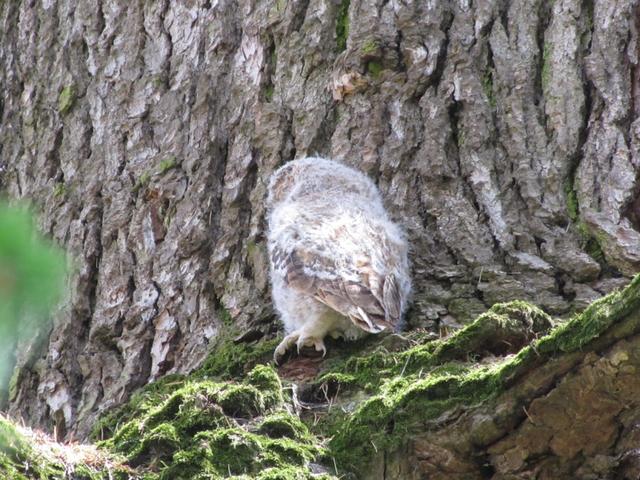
(504, 329)
(410, 399)
(207, 429)
(25, 455)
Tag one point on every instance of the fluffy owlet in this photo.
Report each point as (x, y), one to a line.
(339, 266)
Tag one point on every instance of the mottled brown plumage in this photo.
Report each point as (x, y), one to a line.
(338, 265)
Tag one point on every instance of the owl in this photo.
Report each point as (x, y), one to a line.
(339, 265)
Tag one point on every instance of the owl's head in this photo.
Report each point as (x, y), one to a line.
(281, 183)
(319, 177)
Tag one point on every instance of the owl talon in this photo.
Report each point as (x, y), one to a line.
(282, 348)
(316, 343)
(300, 342)
(319, 346)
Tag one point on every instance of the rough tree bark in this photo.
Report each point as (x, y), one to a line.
(504, 136)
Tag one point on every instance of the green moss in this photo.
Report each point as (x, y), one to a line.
(177, 415)
(157, 442)
(231, 360)
(487, 87)
(371, 370)
(290, 473)
(158, 81)
(162, 399)
(141, 403)
(217, 429)
(200, 428)
(461, 137)
(493, 330)
(191, 428)
(546, 66)
(242, 401)
(66, 99)
(590, 243)
(266, 379)
(281, 5)
(143, 181)
(235, 451)
(384, 421)
(167, 164)
(60, 190)
(594, 250)
(283, 424)
(224, 316)
(185, 405)
(369, 47)
(595, 320)
(342, 25)
(268, 93)
(573, 208)
(11, 442)
(374, 68)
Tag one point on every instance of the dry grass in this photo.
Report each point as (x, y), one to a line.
(69, 456)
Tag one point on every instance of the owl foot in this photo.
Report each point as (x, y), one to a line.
(300, 341)
(286, 343)
(317, 343)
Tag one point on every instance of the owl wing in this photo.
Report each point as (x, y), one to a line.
(370, 300)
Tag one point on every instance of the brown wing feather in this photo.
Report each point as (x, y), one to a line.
(391, 298)
(372, 302)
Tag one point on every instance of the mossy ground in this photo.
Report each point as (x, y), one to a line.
(200, 428)
(25, 454)
(232, 419)
(227, 419)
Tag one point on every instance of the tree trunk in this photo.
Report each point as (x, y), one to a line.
(503, 136)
